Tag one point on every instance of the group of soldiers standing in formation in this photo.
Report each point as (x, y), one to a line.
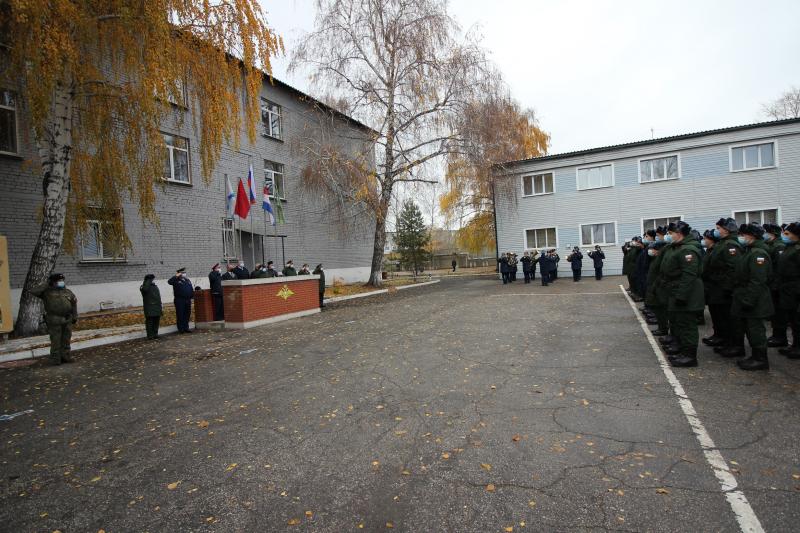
(745, 274)
(61, 305)
(548, 265)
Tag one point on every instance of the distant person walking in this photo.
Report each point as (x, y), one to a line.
(151, 305)
(454, 264)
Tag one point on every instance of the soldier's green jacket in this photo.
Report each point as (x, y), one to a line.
(151, 298)
(751, 297)
(289, 271)
(719, 268)
(629, 260)
(257, 273)
(681, 268)
(657, 293)
(60, 305)
(788, 277)
(775, 248)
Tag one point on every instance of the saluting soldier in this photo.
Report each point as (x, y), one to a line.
(321, 273)
(775, 247)
(289, 269)
(60, 314)
(503, 261)
(681, 268)
(725, 256)
(229, 275)
(183, 291)
(752, 303)
(258, 272)
(597, 257)
(576, 261)
(789, 286)
(527, 264)
(215, 280)
(151, 305)
(241, 272)
(304, 271)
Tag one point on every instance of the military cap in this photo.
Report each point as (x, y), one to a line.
(695, 235)
(318, 267)
(727, 223)
(636, 239)
(751, 229)
(216, 265)
(772, 229)
(56, 277)
(793, 228)
(270, 263)
(181, 270)
(661, 230)
(709, 234)
(650, 233)
(150, 276)
(679, 227)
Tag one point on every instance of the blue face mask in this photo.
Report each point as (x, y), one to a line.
(659, 238)
(742, 240)
(766, 237)
(667, 238)
(786, 239)
(60, 284)
(717, 234)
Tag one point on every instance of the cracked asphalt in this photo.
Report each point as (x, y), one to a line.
(462, 406)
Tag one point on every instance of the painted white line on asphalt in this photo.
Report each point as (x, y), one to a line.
(745, 516)
(503, 295)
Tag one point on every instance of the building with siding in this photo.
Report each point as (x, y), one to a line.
(193, 230)
(605, 196)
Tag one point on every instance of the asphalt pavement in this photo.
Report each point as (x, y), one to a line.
(462, 406)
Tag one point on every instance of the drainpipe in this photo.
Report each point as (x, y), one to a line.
(496, 241)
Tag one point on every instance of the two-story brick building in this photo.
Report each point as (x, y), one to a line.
(193, 229)
(605, 196)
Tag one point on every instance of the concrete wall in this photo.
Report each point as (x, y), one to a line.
(705, 190)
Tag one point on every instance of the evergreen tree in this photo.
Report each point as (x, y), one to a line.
(412, 236)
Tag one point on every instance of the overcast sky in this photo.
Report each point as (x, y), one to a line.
(606, 72)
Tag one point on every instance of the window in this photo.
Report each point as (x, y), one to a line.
(99, 242)
(760, 216)
(752, 156)
(176, 164)
(605, 233)
(271, 119)
(537, 184)
(659, 169)
(540, 238)
(274, 180)
(8, 122)
(653, 223)
(595, 177)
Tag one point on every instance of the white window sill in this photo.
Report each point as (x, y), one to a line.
(274, 138)
(601, 244)
(595, 188)
(754, 168)
(102, 260)
(539, 194)
(177, 182)
(13, 155)
(659, 181)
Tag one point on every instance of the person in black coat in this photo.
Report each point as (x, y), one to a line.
(545, 266)
(183, 291)
(576, 260)
(504, 268)
(241, 272)
(215, 280)
(554, 267)
(527, 266)
(597, 256)
(642, 266)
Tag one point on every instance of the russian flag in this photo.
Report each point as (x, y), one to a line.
(267, 206)
(251, 185)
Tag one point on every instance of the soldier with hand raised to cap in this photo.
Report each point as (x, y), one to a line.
(289, 269)
(215, 280)
(60, 314)
(183, 291)
(151, 305)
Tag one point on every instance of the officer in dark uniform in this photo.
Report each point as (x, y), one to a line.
(725, 255)
(681, 269)
(545, 264)
(304, 271)
(215, 280)
(775, 247)
(752, 302)
(597, 256)
(554, 260)
(271, 272)
(504, 269)
(229, 275)
(241, 272)
(527, 265)
(576, 261)
(60, 314)
(183, 291)
(151, 305)
(289, 269)
(789, 286)
(321, 273)
(643, 264)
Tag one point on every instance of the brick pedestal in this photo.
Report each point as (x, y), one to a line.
(203, 308)
(254, 302)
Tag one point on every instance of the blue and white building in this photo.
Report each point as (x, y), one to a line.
(604, 196)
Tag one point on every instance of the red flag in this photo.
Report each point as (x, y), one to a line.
(242, 208)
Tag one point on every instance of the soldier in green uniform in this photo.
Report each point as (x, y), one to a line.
(681, 269)
(61, 313)
(716, 338)
(752, 303)
(656, 297)
(259, 272)
(725, 255)
(151, 305)
(631, 252)
(289, 269)
(789, 286)
(775, 247)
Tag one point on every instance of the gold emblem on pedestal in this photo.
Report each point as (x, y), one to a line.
(285, 292)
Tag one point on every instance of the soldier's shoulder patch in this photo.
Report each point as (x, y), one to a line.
(780, 252)
(732, 250)
(761, 260)
(689, 258)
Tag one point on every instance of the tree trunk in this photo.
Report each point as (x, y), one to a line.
(54, 152)
(376, 269)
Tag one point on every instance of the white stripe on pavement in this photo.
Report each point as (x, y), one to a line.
(745, 516)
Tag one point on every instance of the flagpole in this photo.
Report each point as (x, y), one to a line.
(263, 249)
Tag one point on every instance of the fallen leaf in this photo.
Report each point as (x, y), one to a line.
(389, 525)
(399, 433)
(406, 473)
(231, 467)
(490, 487)
(445, 455)
(795, 476)
(585, 402)
(202, 424)
(486, 466)
(509, 529)
(96, 478)
(662, 491)
(173, 486)
(43, 515)
(309, 514)
(293, 521)
(531, 503)
(516, 438)
(620, 492)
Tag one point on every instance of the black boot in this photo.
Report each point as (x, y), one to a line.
(673, 349)
(713, 340)
(732, 351)
(687, 359)
(668, 339)
(792, 352)
(777, 342)
(757, 361)
(652, 321)
(660, 332)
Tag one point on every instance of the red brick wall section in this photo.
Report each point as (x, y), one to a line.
(248, 303)
(203, 306)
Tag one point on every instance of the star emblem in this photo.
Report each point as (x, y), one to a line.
(285, 292)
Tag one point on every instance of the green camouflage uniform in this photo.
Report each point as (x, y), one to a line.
(681, 269)
(752, 302)
(61, 312)
(657, 297)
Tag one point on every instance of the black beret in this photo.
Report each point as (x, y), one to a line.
(751, 229)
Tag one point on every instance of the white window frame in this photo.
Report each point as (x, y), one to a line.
(533, 186)
(596, 165)
(754, 143)
(777, 210)
(101, 258)
(580, 233)
(659, 156)
(641, 221)
(265, 103)
(170, 149)
(525, 238)
(14, 110)
(273, 173)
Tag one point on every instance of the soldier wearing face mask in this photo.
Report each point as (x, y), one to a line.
(215, 280)
(631, 251)
(719, 270)
(716, 338)
(241, 272)
(183, 291)
(788, 275)
(657, 297)
(776, 247)
(60, 314)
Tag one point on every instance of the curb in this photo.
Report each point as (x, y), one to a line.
(337, 299)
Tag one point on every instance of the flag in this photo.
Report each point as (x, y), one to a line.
(242, 205)
(251, 185)
(230, 199)
(267, 206)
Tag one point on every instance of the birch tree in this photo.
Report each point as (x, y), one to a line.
(784, 107)
(403, 68)
(96, 80)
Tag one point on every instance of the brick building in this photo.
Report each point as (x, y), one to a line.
(193, 230)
